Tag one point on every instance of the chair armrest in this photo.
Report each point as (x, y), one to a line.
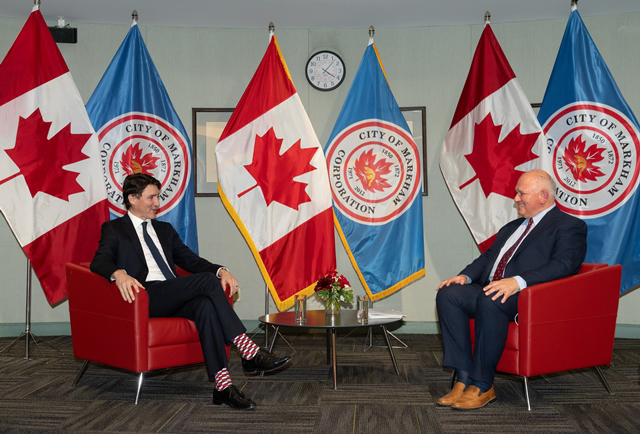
(587, 294)
(569, 323)
(104, 327)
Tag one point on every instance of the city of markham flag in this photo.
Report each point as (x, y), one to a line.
(376, 179)
(594, 147)
(51, 189)
(493, 139)
(273, 181)
(139, 131)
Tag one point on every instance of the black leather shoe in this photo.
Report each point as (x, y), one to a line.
(232, 397)
(264, 361)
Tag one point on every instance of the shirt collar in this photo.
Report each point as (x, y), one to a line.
(137, 221)
(536, 218)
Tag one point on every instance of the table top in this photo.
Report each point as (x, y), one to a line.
(319, 319)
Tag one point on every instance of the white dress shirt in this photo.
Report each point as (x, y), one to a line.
(154, 271)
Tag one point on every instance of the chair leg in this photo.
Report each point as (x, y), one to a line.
(453, 378)
(604, 380)
(140, 379)
(526, 392)
(81, 372)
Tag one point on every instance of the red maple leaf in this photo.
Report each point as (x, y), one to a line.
(41, 160)
(495, 162)
(370, 171)
(274, 173)
(581, 163)
(133, 161)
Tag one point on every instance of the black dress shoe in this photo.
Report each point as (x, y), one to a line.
(232, 397)
(264, 361)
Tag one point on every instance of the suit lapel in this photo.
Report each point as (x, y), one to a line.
(548, 220)
(127, 225)
(164, 243)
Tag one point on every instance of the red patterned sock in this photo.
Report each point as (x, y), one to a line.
(223, 379)
(246, 346)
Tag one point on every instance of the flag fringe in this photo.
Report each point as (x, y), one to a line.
(375, 49)
(382, 294)
(284, 64)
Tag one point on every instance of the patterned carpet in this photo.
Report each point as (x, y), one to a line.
(37, 396)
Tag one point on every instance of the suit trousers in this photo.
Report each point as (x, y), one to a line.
(200, 298)
(456, 304)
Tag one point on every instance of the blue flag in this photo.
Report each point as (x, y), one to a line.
(593, 142)
(375, 173)
(139, 132)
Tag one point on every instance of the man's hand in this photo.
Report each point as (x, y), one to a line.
(227, 280)
(504, 288)
(460, 280)
(127, 285)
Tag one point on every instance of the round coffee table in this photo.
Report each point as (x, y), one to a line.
(320, 320)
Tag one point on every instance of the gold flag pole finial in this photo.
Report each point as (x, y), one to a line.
(487, 17)
(134, 17)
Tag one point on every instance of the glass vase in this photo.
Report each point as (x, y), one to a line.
(332, 307)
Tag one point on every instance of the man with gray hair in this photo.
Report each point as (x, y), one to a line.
(543, 244)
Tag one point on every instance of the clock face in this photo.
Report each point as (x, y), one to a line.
(325, 70)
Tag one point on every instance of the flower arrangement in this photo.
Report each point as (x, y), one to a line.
(334, 288)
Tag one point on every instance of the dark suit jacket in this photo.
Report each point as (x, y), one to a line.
(120, 248)
(554, 248)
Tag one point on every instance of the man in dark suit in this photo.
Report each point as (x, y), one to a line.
(544, 244)
(142, 256)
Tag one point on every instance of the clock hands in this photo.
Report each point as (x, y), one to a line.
(327, 72)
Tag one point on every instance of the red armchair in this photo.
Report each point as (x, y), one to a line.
(563, 325)
(108, 330)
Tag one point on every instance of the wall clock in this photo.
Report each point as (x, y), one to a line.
(325, 70)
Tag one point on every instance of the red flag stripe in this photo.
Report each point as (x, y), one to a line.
(83, 232)
(270, 86)
(33, 60)
(489, 71)
(293, 252)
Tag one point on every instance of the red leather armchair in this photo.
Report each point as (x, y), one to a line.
(108, 330)
(564, 324)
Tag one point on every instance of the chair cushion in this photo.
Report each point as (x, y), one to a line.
(171, 331)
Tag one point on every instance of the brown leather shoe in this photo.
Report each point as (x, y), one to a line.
(453, 396)
(474, 398)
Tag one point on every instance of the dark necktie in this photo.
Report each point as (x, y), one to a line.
(507, 255)
(156, 253)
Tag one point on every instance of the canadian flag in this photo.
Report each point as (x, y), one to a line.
(273, 181)
(51, 188)
(493, 139)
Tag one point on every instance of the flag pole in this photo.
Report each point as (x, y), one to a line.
(27, 321)
(272, 31)
(134, 18)
(487, 18)
(372, 32)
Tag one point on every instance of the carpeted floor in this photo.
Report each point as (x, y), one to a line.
(38, 396)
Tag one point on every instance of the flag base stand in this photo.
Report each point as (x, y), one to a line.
(26, 334)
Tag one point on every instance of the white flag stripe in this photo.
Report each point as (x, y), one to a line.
(268, 224)
(59, 103)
